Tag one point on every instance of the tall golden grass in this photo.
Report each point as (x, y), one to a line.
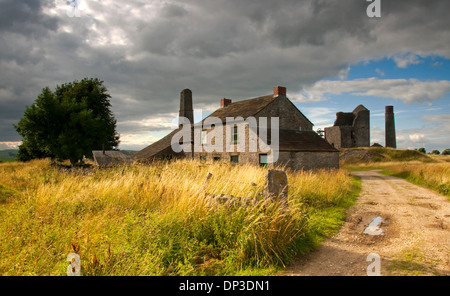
(431, 171)
(435, 176)
(161, 219)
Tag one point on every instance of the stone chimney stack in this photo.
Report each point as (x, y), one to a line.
(279, 91)
(225, 102)
(390, 138)
(186, 109)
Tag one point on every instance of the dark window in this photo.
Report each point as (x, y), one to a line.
(263, 160)
(216, 158)
(234, 158)
(235, 134)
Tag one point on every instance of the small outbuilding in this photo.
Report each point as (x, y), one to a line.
(112, 157)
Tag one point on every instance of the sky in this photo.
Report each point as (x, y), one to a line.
(330, 55)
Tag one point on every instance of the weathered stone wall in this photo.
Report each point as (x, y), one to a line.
(246, 153)
(333, 136)
(361, 129)
(309, 160)
(289, 116)
(340, 136)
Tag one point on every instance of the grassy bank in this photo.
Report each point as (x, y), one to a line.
(7, 160)
(162, 219)
(435, 176)
(432, 172)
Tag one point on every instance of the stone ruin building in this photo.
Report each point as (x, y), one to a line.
(351, 129)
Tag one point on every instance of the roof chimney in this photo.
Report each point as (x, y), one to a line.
(279, 91)
(225, 102)
(389, 133)
(186, 110)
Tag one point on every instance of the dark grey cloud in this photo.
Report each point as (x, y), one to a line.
(26, 17)
(148, 51)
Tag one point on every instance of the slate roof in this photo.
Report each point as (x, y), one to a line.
(107, 158)
(157, 147)
(244, 109)
(303, 141)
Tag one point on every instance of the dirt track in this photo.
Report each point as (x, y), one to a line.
(415, 240)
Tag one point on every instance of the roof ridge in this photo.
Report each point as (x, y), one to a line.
(242, 108)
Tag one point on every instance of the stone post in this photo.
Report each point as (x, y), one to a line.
(276, 185)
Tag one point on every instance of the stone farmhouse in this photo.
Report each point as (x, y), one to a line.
(267, 130)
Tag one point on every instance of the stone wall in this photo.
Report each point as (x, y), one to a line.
(361, 127)
(309, 160)
(289, 116)
(340, 136)
(246, 153)
(333, 136)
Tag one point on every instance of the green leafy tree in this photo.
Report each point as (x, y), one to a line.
(422, 150)
(446, 152)
(68, 123)
(436, 152)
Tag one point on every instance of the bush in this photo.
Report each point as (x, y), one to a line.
(436, 152)
(446, 152)
(422, 150)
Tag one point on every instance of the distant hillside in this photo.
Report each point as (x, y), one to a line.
(380, 154)
(8, 154)
(132, 152)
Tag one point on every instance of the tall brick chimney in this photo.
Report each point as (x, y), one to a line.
(279, 91)
(390, 138)
(225, 102)
(186, 109)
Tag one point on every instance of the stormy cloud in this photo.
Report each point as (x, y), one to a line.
(147, 52)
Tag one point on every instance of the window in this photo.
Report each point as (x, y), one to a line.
(235, 134)
(216, 158)
(234, 159)
(263, 160)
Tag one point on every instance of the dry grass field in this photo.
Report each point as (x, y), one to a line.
(161, 219)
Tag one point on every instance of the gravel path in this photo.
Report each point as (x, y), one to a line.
(415, 237)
